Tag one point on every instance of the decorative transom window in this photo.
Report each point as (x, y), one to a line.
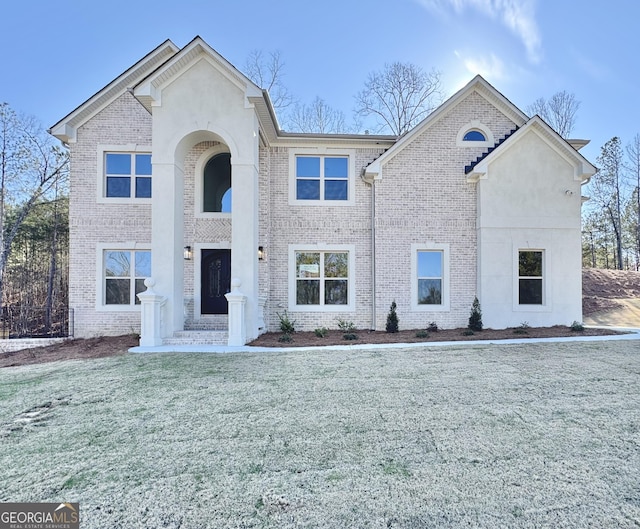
(322, 178)
(127, 175)
(474, 135)
(216, 193)
(322, 278)
(530, 277)
(430, 277)
(124, 273)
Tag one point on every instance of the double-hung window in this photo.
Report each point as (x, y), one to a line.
(124, 273)
(430, 289)
(322, 178)
(127, 175)
(530, 277)
(430, 277)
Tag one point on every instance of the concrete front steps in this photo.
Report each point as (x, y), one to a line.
(197, 338)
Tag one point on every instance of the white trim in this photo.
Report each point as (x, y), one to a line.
(101, 183)
(322, 152)
(101, 247)
(480, 127)
(197, 276)
(446, 292)
(351, 286)
(546, 305)
(198, 195)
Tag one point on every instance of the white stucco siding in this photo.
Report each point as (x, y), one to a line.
(530, 199)
(124, 123)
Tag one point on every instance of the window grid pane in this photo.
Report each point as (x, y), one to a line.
(124, 275)
(127, 173)
(322, 178)
(322, 278)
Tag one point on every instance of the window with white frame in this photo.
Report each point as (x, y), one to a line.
(124, 272)
(530, 277)
(127, 175)
(322, 178)
(430, 277)
(321, 279)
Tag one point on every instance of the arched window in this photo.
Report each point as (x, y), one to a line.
(216, 187)
(474, 135)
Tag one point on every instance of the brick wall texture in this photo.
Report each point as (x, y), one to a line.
(423, 197)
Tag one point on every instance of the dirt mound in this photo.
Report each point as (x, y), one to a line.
(602, 289)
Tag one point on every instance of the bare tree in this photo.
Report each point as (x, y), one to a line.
(31, 166)
(559, 111)
(267, 70)
(399, 96)
(317, 117)
(607, 189)
(633, 159)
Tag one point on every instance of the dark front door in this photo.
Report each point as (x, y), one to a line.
(216, 281)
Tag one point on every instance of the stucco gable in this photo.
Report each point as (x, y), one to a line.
(479, 85)
(149, 90)
(66, 129)
(583, 169)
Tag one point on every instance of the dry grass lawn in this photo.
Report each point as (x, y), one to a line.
(517, 436)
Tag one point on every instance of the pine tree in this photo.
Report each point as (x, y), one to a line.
(392, 318)
(475, 318)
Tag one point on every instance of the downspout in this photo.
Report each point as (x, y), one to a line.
(372, 183)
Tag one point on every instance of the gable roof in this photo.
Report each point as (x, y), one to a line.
(584, 170)
(65, 129)
(148, 89)
(477, 84)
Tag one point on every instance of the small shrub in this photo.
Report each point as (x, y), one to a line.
(432, 327)
(577, 326)
(422, 334)
(285, 338)
(392, 318)
(523, 329)
(348, 329)
(475, 318)
(321, 332)
(468, 332)
(287, 325)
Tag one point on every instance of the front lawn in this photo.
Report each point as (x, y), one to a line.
(535, 435)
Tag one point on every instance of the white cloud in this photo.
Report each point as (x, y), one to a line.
(491, 67)
(517, 15)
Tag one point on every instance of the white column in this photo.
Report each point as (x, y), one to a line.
(237, 301)
(244, 240)
(167, 242)
(151, 316)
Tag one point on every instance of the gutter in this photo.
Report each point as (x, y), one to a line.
(371, 181)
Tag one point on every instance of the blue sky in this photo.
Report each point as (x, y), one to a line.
(58, 54)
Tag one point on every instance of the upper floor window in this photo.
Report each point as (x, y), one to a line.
(322, 177)
(216, 190)
(474, 135)
(128, 175)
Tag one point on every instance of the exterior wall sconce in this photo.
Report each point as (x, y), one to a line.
(261, 253)
(188, 254)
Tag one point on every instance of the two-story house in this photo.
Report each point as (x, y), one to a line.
(180, 173)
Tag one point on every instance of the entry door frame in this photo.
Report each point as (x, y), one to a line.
(197, 277)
